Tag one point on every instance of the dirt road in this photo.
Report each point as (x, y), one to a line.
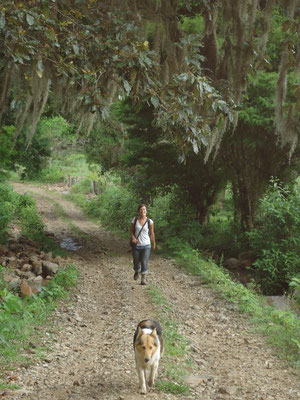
(91, 355)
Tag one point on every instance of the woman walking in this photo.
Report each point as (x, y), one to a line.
(142, 235)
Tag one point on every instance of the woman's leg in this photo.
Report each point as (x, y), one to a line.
(145, 254)
(136, 262)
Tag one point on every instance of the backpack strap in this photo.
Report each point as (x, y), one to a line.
(134, 224)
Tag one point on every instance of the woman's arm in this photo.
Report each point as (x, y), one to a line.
(152, 236)
(133, 238)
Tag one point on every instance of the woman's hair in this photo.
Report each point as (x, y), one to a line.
(140, 206)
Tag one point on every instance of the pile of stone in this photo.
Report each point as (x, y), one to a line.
(26, 268)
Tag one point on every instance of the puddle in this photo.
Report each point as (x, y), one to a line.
(69, 244)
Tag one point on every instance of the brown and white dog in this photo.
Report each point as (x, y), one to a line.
(148, 346)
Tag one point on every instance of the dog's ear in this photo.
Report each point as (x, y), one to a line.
(154, 333)
(140, 332)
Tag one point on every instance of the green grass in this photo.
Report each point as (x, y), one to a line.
(172, 387)
(280, 328)
(20, 319)
(175, 348)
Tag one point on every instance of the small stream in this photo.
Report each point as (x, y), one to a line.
(69, 244)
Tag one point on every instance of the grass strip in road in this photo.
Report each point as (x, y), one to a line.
(19, 319)
(175, 362)
(60, 213)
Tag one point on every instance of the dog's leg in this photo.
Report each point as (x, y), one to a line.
(142, 380)
(153, 374)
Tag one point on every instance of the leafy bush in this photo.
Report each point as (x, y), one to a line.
(30, 221)
(276, 239)
(32, 158)
(83, 186)
(7, 150)
(51, 175)
(32, 225)
(117, 207)
(6, 207)
(92, 207)
(170, 224)
(295, 289)
(23, 201)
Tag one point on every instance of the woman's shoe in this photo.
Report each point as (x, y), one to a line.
(136, 275)
(143, 280)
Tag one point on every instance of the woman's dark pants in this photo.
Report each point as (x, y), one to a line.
(141, 256)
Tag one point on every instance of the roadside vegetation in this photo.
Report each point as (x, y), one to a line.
(21, 320)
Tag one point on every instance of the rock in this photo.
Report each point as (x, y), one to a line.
(58, 260)
(25, 289)
(14, 246)
(49, 268)
(246, 263)
(26, 267)
(36, 283)
(196, 380)
(3, 250)
(28, 275)
(34, 259)
(232, 263)
(14, 283)
(223, 390)
(48, 256)
(8, 277)
(12, 262)
(37, 267)
(3, 261)
(36, 279)
(246, 255)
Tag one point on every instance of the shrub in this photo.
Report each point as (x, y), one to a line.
(51, 175)
(7, 151)
(7, 207)
(31, 223)
(276, 239)
(295, 289)
(117, 207)
(83, 186)
(170, 224)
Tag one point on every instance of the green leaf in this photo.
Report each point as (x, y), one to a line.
(2, 21)
(29, 19)
(154, 101)
(40, 65)
(127, 86)
(76, 49)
